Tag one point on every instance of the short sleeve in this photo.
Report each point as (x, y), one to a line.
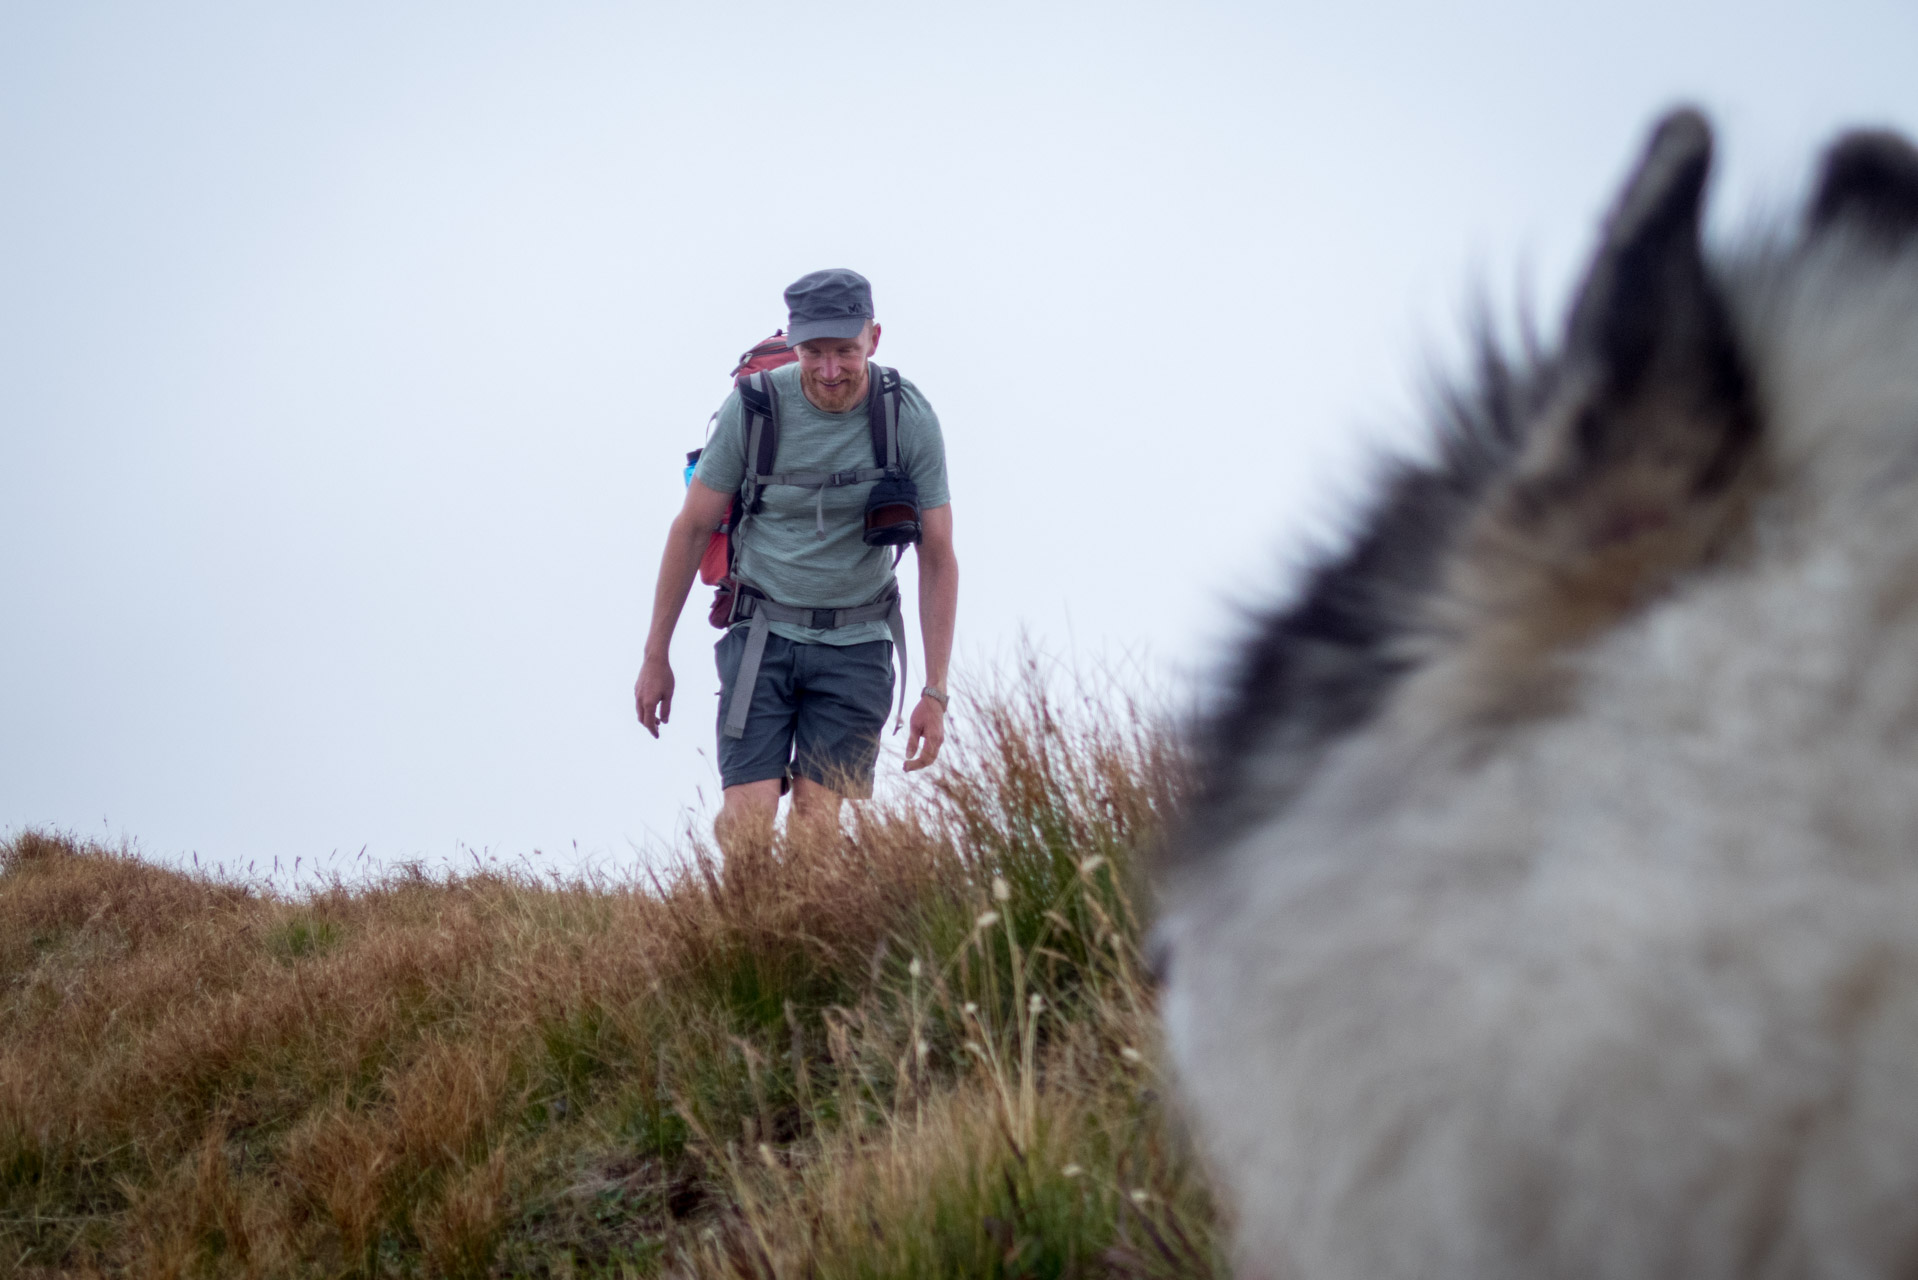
(723, 464)
(922, 448)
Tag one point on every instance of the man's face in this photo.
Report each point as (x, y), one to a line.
(832, 371)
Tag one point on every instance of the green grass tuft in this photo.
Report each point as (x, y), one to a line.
(300, 937)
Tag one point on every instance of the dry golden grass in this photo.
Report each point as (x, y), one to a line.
(921, 1048)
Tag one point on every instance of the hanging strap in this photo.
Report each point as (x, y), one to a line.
(761, 611)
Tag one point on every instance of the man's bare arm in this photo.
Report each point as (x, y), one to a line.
(703, 511)
(938, 609)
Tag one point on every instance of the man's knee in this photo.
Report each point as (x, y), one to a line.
(749, 800)
(747, 811)
(813, 800)
(815, 815)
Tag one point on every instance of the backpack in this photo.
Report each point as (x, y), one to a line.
(892, 506)
(762, 357)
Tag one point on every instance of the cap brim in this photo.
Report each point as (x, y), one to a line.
(832, 327)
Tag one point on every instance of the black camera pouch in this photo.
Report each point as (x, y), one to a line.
(892, 513)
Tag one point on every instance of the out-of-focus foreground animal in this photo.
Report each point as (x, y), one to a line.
(1551, 905)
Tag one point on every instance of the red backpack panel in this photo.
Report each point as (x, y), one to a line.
(769, 353)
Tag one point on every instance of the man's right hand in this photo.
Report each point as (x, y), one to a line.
(686, 542)
(653, 694)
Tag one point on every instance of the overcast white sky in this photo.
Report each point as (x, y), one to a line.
(349, 352)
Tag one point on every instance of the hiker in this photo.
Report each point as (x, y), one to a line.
(811, 607)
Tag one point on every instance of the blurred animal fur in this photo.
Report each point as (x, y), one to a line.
(1551, 906)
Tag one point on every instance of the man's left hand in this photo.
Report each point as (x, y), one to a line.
(925, 734)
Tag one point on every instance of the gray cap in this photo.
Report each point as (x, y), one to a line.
(835, 303)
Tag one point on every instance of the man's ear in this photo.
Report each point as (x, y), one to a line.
(1636, 470)
(875, 339)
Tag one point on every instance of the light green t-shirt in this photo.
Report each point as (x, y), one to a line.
(780, 550)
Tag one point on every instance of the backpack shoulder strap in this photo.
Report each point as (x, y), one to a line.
(882, 412)
(761, 405)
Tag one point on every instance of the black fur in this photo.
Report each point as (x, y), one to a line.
(1648, 328)
(1648, 277)
(1322, 665)
(1650, 322)
(1870, 181)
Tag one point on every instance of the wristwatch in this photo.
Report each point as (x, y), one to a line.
(937, 695)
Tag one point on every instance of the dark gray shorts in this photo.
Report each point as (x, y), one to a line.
(818, 707)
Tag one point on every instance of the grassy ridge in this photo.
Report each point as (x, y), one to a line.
(923, 1050)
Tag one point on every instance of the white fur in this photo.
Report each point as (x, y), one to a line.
(1636, 994)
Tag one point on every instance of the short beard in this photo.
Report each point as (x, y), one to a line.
(827, 399)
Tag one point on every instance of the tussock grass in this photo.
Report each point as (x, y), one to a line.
(919, 1047)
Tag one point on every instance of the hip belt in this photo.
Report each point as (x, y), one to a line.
(761, 611)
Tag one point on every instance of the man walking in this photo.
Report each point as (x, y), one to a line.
(806, 665)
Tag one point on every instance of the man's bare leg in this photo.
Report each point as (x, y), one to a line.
(744, 827)
(815, 808)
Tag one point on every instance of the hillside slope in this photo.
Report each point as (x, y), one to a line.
(924, 1050)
